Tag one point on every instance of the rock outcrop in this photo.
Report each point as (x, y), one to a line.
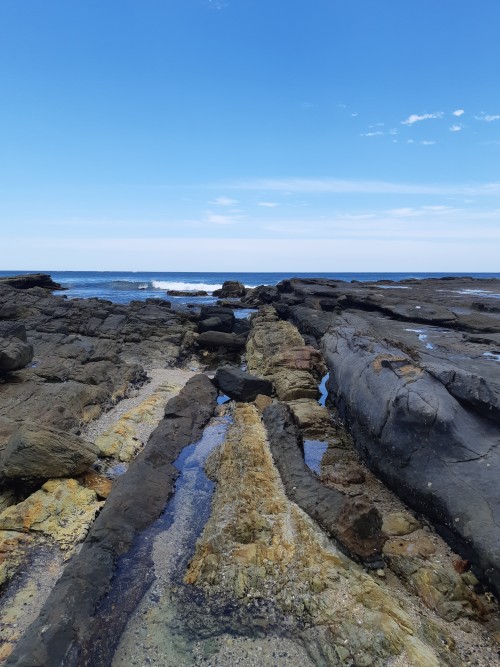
(258, 546)
(414, 374)
(15, 351)
(64, 628)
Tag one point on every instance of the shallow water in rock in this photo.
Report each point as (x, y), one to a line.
(313, 453)
(323, 390)
(150, 617)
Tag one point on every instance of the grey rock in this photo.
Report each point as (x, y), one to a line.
(33, 451)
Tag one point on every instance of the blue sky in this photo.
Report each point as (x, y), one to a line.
(250, 135)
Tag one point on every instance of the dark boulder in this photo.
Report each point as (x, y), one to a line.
(230, 289)
(33, 451)
(217, 323)
(239, 385)
(15, 351)
(216, 339)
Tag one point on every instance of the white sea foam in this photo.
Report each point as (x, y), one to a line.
(167, 285)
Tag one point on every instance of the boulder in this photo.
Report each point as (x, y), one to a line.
(241, 386)
(215, 339)
(230, 289)
(33, 451)
(15, 351)
(217, 323)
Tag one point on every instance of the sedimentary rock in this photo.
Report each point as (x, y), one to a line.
(419, 438)
(257, 545)
(64, 629)
(212, 340)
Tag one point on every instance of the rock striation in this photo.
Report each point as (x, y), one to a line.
(64, 630)
(414, 373)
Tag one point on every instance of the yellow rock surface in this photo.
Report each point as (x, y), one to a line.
(62, 509)
(122, 440)
(259, 544)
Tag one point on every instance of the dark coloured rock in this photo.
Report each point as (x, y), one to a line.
(241, 386)
(15, 351)
(352, 521)
(66, 632)
(242, 327)
(173, 292)
(438, 454)
(230, 289)
(215, 339)
(220, 322)
(261, 295)
(31, 280)
(33, 451)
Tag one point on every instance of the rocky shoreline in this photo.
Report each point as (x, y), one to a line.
(413, 404)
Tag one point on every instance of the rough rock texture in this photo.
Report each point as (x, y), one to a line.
(85, 354)
(239, 385)
(258, 545)
(230, 289)
(64, 627)
(62, 509)
(15, 352)
(216, 339)
(414, 372)
(353, 522)
(419, 438)
(276, 350)
(31, 280)
(33, 451)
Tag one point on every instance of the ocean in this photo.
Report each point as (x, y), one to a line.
(123, 286)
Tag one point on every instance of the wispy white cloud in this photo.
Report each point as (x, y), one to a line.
(415, 118)
(308, 105)
(487, 117)
(456, 128)
(354, 114)
(426, 142)
(340, 186)
(268, 204)
(223, 201)
(458, 112)
(219, 219)
(378, 133)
